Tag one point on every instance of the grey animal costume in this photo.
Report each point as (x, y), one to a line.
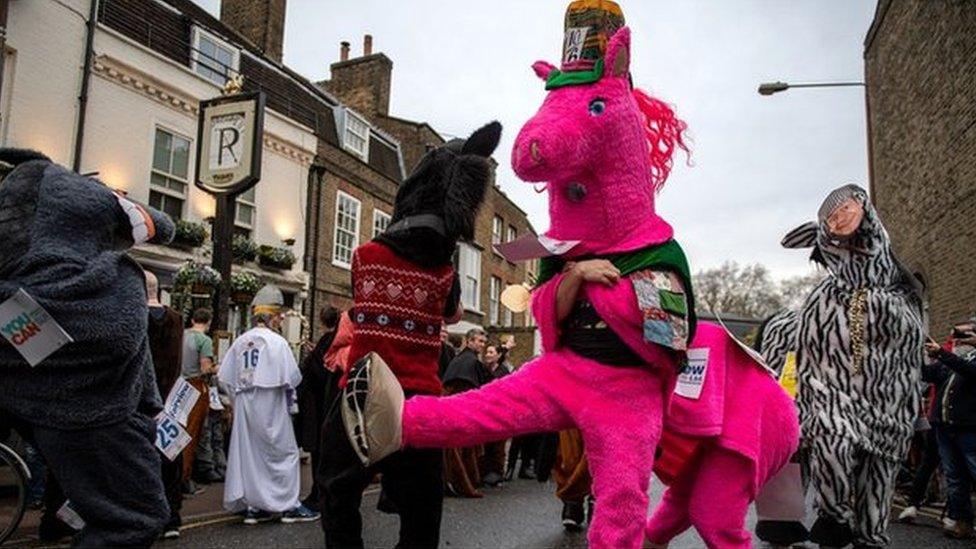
(859, 340)
(89, 405)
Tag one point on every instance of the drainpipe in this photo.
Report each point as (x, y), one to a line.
(85, 78)
(4, 8)
(312, 215)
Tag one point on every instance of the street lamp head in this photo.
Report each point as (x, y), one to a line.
(769, 88)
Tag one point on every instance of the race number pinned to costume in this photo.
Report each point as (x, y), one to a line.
(181, 400)
(30, 329)
(692, 379)
(69, 516)
(171, 437)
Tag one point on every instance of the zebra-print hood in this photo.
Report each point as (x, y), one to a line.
(862, 260)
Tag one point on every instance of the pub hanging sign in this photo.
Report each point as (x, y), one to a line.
(229, 143)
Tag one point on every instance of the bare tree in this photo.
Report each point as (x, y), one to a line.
(734, 289)
(794, 290)
(750, 290)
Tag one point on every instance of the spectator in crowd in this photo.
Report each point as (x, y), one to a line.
(448, 352)
(954, 416)
(312, 393)
(197, 363)
(263, 468)
(166, 348)
(462, 476)
(492, 463)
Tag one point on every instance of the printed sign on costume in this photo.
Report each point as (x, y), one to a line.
(30, 329)
(181, 400)
(171, 437)
(692, 379)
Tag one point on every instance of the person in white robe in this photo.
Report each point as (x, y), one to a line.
(263, 468)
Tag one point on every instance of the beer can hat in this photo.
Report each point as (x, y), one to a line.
(589, 24)
(269, 300)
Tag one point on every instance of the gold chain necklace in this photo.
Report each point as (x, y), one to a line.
(855, 318)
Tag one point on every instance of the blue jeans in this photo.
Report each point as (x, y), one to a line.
(957, 447)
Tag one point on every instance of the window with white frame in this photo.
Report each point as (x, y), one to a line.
(497, 226)
(512, 233)
(507, 319)
(356, 135)
(494, 297)
(213, 58)
(169, 176)
(381, 220)
(469, 272)
(244, 219)
(346, 230)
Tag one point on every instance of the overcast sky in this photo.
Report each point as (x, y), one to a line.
(760, 165)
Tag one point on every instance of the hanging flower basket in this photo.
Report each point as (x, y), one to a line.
(275, 258)
(199, 279)
(243, 286)
(243, 249)
(189, 235)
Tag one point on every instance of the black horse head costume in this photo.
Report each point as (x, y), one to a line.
(437, 205)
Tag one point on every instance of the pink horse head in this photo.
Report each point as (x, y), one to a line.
(604, 149)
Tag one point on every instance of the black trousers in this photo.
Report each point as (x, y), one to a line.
(923, 473)
(111, 475)
(172, 476)
(412, 479)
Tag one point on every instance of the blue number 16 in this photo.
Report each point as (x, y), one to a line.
(251, 358)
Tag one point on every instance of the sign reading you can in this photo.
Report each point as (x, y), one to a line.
(229, 143)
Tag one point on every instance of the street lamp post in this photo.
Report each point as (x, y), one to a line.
(769, 88)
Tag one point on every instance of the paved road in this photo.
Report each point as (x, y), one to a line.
(522, 514)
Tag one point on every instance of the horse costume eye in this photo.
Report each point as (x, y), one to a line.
(597, 106)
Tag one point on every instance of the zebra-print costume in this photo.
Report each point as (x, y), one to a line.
(859, 348)
(776, 338)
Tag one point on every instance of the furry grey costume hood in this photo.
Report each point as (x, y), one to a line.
(62, 240)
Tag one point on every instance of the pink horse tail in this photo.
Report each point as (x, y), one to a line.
(664, 132)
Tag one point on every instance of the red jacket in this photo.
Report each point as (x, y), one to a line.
(398, 310)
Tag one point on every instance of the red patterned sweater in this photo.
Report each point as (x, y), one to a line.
(398, 310)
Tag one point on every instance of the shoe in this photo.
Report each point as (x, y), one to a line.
(782, 533)
(828, 532)
(493, 479)
(311, 504)
(190, 488)
(254, 516)
(909, 514)
(372, 409)
(948, 523)
(54, 529)
(574, 516)
(527, 473)
(962, 529)
(300, 514)
(171, 533)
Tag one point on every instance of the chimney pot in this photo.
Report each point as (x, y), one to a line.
(368, 44)
(343, 51)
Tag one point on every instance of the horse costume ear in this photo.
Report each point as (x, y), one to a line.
(618, 54)
(483, 141)
(804, 236)
(543, 69)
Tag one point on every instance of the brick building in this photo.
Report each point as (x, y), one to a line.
(364, 83)
(920, 71)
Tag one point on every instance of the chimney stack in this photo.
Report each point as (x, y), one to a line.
(343, 51)
(262, 22)
(368, 45)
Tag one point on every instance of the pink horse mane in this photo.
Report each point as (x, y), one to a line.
(664, 132)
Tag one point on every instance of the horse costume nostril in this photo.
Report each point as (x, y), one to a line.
(534, 151)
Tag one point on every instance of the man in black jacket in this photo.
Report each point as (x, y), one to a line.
(954, 417)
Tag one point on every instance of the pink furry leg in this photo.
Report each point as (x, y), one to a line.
(720, 499)
(621, 426)
(671, 518)
(521, 403)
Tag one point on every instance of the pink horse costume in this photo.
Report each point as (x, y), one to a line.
(610, 367)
